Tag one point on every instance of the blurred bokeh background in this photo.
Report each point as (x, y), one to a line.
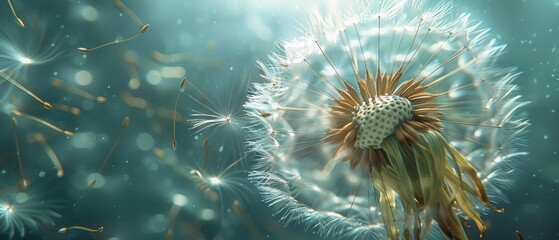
(200, 190)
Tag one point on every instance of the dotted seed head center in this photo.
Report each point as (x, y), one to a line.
(378, 117)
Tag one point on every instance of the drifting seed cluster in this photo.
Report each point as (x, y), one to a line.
(377, 118)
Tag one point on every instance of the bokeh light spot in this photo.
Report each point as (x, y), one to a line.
(145, 141)
(98, 178)
(180, 200)
(134, 83)
(89, 13)
(21, 197)
(153, 77)
(157, 223)
(207, 214)
(83, 140)
(83, 78)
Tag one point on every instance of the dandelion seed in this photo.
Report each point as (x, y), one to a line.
(212, 163)
(21, 212)
(143, 28)
(23, 182)
(123, 128)
(385, 121)
(50, 152)
(35, 45)
(17, 19)
(74, 90)
(181, 87)
(43, 122)
(217, 186)
(20, 49)
(217, 113)
(81, 228)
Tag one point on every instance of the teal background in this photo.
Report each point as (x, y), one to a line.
(220, 36)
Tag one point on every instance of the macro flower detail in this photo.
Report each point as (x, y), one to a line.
(382, 113)
(21, 213)
(387, 119)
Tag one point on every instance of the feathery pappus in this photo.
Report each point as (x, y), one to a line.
(386, 120)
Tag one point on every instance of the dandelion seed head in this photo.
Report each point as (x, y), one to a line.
(399, 91)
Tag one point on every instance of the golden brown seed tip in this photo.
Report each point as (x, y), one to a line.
(56, 82)
(183, 82)
(101, 99)
(60, 173)
(174, 144)
(125, 122)
(159, 153)
(23, 183)
(119, 4)
(39, 137)
(63, 230)
(47, 105)
(92, 183)
(69, 133)
(498, 210)
(169, 235)
(20, 22)
(144, 28)
(157, 56)
(75, 111)
(196, 172)
(519, 235)
(83, 50)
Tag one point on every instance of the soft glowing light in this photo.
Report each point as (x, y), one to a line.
(207, 214)
(25, 60)
(6, 208)
(153, 77)
(83, 78)
(97, 179)
(180, 200)
(215, 181)
(134, 83)
(89, 13)
(145, 141)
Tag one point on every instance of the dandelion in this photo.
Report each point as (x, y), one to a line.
(386, 119)
(21, 212)
(215, 110)
(20, 49)
(217, 118)
(33, 45)
(212, 190)
(210, 163)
